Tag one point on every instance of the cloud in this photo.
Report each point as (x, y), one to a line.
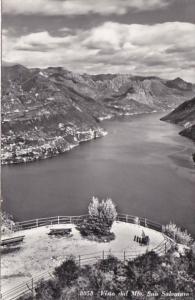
(35, 41)
(165, 50)
(126, 36)
(80, 7)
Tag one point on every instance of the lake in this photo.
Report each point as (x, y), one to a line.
(142, 164)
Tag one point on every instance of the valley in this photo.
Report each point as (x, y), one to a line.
(46, 112)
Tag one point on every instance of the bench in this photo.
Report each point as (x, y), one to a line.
(60, 231)
(12, 241)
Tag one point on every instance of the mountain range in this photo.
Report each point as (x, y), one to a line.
(49, 111)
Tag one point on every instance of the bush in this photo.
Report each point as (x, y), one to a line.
(48, 290)
(67, 272)
(94, 226)
(96, 279)
(179, 235)
(101, 281)
(148, 272)
(6, 222)
(109, 264)
(95, 229)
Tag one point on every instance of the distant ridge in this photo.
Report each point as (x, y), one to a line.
(49, 111)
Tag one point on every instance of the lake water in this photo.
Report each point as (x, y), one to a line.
(142, 164)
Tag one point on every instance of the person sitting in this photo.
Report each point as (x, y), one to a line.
(144, 240)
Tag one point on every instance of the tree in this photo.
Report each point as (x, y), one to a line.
(108, 211)
(97, 225)
(104, 210)
(93, 207)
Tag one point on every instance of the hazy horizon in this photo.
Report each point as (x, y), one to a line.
(5, 64)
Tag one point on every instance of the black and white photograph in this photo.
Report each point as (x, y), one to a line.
(97, 150)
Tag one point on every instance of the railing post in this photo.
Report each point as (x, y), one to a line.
(124, 256)
(37, 222)
(145, 223)
(58, 220)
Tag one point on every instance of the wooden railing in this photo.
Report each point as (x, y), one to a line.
(140, 221)
(77, 219)
(29, 224)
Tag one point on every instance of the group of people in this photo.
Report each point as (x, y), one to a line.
(143, 240)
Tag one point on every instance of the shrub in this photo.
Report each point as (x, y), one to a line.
(94, 226)
(47, 290)
(148, 272)
(109, 264)
(95, 229)
(67, 272)
(6, 222)
(179, 235)
(101, 281)
(97, 279)
(187, 263)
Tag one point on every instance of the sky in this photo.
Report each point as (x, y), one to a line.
(138, 37)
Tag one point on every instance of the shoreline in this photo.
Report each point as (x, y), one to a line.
(90, 135)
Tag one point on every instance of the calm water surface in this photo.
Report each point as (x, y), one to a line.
(142, 164)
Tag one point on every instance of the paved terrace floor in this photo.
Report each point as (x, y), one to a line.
(40, 252)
